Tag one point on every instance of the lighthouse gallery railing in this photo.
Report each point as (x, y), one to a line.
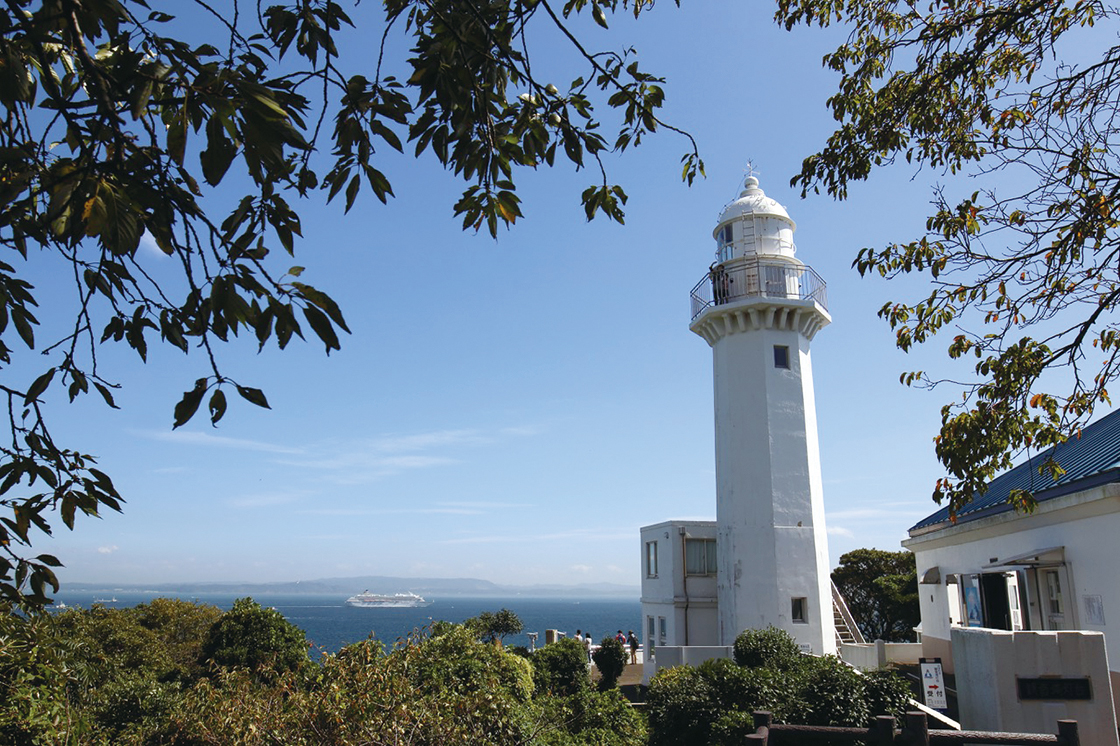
(757, 278)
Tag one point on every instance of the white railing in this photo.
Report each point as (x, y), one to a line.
(757, 278)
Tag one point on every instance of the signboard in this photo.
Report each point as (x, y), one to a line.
(933, 684)
(1055, 688)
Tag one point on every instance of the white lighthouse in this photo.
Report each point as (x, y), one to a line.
(764, 560)
(759, 309)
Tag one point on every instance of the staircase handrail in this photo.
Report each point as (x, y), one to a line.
(846, 615)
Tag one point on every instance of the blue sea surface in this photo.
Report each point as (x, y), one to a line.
(330, 624)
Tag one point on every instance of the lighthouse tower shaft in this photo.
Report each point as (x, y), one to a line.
(762, 310)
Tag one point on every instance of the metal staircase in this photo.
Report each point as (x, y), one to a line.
(846, 629)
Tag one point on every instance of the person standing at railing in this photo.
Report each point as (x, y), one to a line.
(721, 283)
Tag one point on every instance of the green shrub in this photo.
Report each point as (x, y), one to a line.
(560, 668)
(257, 639)
(589, 717)
(887, 694)
(610, 659)
(682, 707)
(831, 693)
(767, 648)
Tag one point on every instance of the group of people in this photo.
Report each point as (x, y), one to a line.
(628, 640)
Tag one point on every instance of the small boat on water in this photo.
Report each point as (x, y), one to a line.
(367, 600)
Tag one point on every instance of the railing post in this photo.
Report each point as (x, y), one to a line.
(882, 731)
(1067, 733)
(916, 732)
(761, 733)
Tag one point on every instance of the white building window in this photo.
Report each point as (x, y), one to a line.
(700, 556)
(800, 610)
(663, 630)
(651, 559)
(651, 634)
(781, 356)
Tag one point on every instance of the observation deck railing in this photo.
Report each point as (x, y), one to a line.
(758, 278)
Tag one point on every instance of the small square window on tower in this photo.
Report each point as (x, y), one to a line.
(800, 611)
(781, 356)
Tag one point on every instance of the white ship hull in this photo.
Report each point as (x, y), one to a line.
(369, 600)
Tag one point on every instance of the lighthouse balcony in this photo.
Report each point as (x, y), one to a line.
(757, 278)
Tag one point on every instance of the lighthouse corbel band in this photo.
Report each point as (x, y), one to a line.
(764, 560)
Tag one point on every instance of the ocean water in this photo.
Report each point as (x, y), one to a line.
(330, 624)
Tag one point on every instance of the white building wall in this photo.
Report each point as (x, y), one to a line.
(769, 496)
(1084, 526)
(682, 606)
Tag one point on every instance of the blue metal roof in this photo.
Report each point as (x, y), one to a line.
(1089, 460)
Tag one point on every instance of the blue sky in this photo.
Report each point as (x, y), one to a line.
(515, 409)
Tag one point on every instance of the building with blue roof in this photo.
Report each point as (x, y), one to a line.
(1056, 568)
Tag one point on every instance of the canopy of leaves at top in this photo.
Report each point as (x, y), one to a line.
(1024, 278)
(117, 130)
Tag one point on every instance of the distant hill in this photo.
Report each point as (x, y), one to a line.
(441, 587)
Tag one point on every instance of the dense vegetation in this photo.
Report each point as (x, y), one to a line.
(881, 590)
(184, 674)
(174, 672)
(711, 704)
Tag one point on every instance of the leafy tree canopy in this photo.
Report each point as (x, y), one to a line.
(495, 626)
(881, 590)
(120, 131)
(1024, 272)
(257, 639)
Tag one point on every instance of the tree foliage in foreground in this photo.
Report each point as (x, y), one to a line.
(881, 590)
(120, 131)
(1024, 272)
(108, 676)
(712, 703)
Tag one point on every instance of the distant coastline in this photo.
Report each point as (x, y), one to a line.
(441, 587)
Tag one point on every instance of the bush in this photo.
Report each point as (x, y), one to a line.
(887, 694)
(560, 668)
(832, 694)
(589, 717)
(767, 648)
(257, 639)
(610, 659)
(682, 707)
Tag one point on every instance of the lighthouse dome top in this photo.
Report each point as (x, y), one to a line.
(754, 225)
(753, 201)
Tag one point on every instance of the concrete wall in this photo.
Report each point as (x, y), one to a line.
(870, 656)
(988, 662)
(670, 656)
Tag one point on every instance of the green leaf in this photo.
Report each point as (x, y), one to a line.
(217, 406)
(322, 327)
(253, 396)
(188, 405)
(39, 386)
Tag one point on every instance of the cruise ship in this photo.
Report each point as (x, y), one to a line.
(367, 600)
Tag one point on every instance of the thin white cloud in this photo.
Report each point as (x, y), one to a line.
(108, 549)
(187, 437)
(841, 531)
(263, 500)
(389, 511)
(582, 569)
(524, 538)
(425, 441)
(482, 504)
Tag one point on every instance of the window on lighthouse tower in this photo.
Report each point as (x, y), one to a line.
(723, 244)
(781, 357)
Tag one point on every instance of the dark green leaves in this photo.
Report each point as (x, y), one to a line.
(188, 405)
